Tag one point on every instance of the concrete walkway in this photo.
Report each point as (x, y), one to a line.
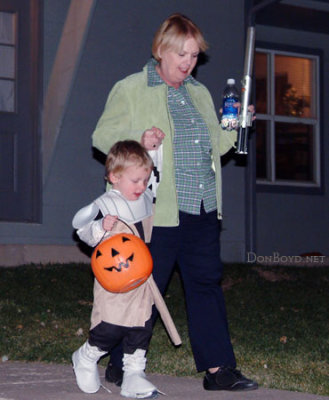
(38, 381)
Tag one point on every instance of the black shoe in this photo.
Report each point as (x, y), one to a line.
(228, 379)
(114, 374)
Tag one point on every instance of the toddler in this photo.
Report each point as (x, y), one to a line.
(121, 317)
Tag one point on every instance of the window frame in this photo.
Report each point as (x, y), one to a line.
(315, 187)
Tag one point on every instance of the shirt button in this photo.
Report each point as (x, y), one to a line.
(201, 186)
(192, 121)
(182, 103)
(196, 141)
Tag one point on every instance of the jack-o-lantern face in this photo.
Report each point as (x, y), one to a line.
(122, 262)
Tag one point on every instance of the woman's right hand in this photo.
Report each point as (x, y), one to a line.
(152, 138)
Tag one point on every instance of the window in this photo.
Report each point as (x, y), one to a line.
(287, 129)
(7, 65)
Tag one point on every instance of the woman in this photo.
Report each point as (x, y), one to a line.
(171, 112)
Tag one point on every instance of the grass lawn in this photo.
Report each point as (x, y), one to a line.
(278, 320)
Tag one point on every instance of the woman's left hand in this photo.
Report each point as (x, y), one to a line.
(251, 109)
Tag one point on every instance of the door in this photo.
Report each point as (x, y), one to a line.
(20, 100)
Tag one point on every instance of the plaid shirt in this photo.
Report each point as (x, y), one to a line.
(195, 178)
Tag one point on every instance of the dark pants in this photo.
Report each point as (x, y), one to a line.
(194, 246)
(106, 336)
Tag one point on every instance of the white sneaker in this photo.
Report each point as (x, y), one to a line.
(134, 383)
(85, 367)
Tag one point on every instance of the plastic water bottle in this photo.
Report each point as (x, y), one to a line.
(230, 117)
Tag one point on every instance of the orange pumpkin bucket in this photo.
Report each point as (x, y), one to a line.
(121, 263)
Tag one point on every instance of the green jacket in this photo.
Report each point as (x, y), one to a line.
(132, 107)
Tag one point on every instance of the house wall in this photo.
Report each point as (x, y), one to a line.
(292, 224)
(54, 14)
(118, 43)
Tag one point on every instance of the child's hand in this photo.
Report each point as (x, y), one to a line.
(109, 221)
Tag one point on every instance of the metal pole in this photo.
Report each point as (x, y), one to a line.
(245, 115)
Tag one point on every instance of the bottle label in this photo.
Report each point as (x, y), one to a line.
(230, 118)
(229, 109)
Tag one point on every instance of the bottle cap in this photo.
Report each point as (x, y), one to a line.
(231, 81)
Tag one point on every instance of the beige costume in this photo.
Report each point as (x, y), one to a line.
(132, 308)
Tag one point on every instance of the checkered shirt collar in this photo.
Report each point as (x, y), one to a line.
(154, 79)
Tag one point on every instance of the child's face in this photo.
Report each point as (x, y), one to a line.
(132, 182)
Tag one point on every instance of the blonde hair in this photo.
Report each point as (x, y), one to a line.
(173, 32)
(124, 154)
